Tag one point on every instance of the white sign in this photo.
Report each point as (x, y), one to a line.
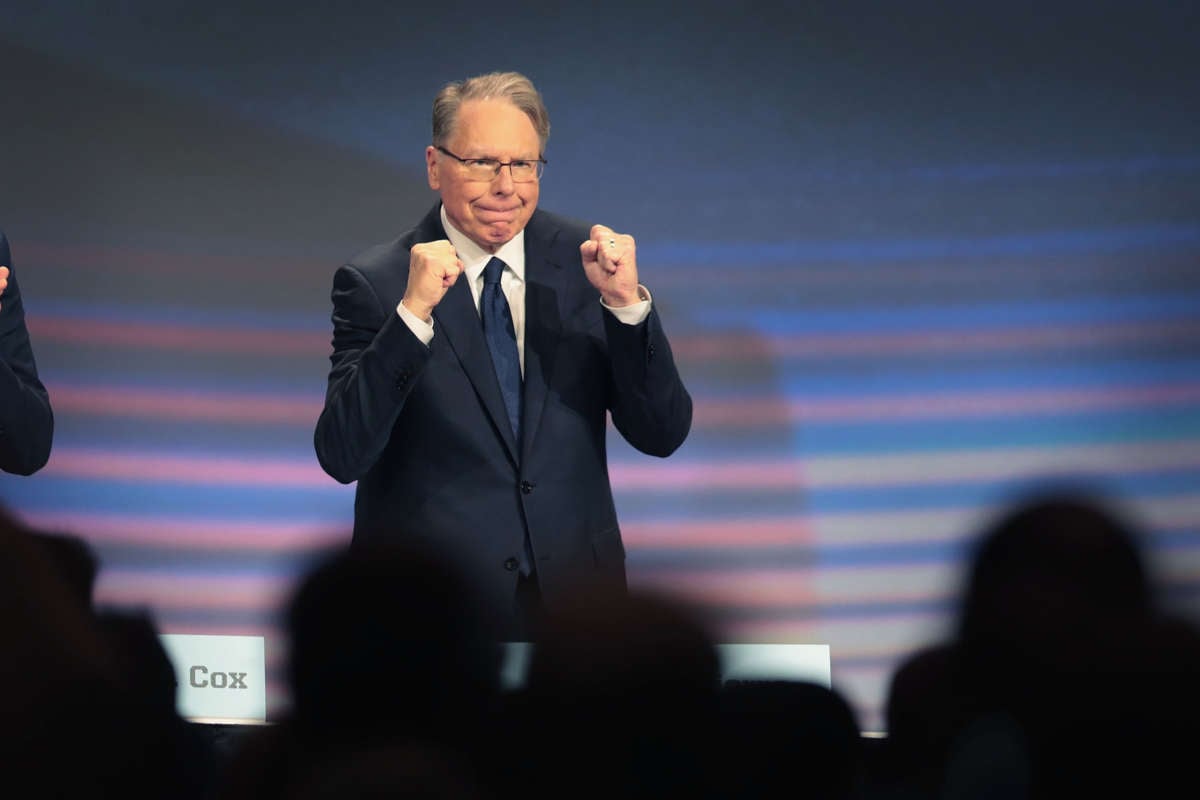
(789, 662)
(783, 662)
(220, 678)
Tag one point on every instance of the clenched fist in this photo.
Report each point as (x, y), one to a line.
(610, 261)
(433, 267)
(3, 282)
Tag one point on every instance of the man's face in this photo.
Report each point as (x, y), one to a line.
(489, 212)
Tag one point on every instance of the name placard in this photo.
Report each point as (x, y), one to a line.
(790, 662)
(784, 662)
(220, 678)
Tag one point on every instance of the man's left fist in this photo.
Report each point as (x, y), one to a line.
(610, 262)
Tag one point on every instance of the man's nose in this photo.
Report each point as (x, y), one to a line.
(503, 182)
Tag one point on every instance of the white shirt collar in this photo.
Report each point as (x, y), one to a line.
(475, 258)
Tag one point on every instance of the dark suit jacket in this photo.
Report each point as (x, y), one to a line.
(26, 423)
(424, 431)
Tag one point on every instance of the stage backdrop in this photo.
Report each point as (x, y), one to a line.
(913, 258)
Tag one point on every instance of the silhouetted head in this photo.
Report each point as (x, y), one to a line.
(627, 681)
(1065, 680)
(775, 730)
(387, 641)
(41, 613)
(75, 560)
(1053, 562)
(602, 644)
(68, 724)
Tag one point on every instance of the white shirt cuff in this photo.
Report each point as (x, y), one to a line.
(421, 329)
(635, 313)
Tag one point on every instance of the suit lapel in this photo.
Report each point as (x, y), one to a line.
(458, 321)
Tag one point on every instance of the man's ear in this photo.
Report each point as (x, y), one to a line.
(431, 167)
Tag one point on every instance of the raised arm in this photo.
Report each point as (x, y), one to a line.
(26, 420)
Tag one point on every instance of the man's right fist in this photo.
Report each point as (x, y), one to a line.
(433, 267)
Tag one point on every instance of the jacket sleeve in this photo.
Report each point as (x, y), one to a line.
(26, 421)
(376, 361)
(651, 407)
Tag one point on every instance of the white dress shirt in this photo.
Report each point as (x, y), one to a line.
(512, 283)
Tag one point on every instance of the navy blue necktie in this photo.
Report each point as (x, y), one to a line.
(502, 341)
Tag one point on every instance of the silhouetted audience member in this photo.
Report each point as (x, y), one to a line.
(75, 561)
(77, 722)
(1063, 679)
(388, 647)
(789, 738)
(59, 711)
(176, 755)
(620, 700)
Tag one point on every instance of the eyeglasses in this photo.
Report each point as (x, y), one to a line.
(523, 170)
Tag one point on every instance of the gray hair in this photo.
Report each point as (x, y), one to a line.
(511, 86)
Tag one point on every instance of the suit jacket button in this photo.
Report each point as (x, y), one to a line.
(510, 564)
(527, 487)
(650, 352)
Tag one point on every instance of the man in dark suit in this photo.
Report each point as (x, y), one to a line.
(26, 422)
(498, 456)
